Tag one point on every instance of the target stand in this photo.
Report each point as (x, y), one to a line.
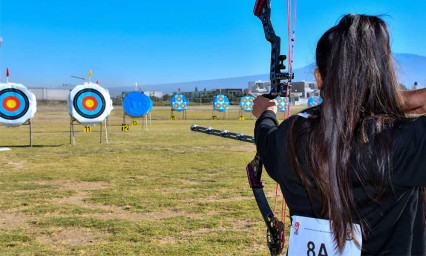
(246, 105)
(220, 104)
(89, 104)
(173, 117)
(146, 119)
(136, 105)
(178, 103)
(17, 106)
(88, 129)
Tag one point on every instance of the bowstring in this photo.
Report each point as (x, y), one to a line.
(291, 28)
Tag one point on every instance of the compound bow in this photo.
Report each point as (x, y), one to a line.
(280, 86)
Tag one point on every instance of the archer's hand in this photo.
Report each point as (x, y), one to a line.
(261, 104)
(414, 101)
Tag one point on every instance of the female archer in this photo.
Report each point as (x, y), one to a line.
(356, 160)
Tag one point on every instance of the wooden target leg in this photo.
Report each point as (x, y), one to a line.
(31, 133)
(72, 138)
(70, 131)
(106, 129)
(100, 133)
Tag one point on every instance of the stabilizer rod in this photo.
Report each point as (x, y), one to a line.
(223, 133)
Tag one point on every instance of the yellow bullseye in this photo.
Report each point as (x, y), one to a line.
(90, 103)
(11, 104)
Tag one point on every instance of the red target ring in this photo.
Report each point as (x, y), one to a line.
(89, 103)
(11, 103)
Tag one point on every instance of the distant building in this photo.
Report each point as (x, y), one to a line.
(234, 92)
(157, 94)
(198, 96)
(259, 87)
(300, 91)
(306, 88)
(54, 94)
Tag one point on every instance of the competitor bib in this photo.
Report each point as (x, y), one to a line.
(313, 237)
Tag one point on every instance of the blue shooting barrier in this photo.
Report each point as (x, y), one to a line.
(137, 104)
(220, 103)
(179, 102)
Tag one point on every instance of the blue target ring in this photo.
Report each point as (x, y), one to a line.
(283, 104)
(314, 101)
(137, 104)
(179, 102)
(89, 103)
(246, 103)
(13, 104)
(221, 103)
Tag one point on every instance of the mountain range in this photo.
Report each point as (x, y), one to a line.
(410, 68)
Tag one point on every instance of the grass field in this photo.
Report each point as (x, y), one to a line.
(159, 191)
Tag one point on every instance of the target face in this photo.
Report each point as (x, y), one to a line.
(246, 103)
(314, 101)
(17, 104)
(283, 104)
(179, 102)
(137, 104)
(221, 103)
(89, 103)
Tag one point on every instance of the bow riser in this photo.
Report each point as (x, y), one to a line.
(262, 10)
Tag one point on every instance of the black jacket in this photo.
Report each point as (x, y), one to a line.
(393, 226)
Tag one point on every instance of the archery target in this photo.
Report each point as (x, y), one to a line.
(179, 102)
(282, 104)
(314, 101)
(137, 104)
(89, 103)
(17, 104)
(246, 103)
(220, 103)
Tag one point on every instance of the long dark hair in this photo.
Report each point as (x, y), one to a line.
(360, 98)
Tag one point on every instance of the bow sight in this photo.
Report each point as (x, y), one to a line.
(279, 87)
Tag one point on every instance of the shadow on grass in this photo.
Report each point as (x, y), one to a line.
(33, 146)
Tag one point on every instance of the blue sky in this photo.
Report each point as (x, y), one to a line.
(170, 41)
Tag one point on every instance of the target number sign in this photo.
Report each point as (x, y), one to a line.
(125, 127)
(134, 123)
(89, 103)
(17, 104)
(87, 128)
(311, 236)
